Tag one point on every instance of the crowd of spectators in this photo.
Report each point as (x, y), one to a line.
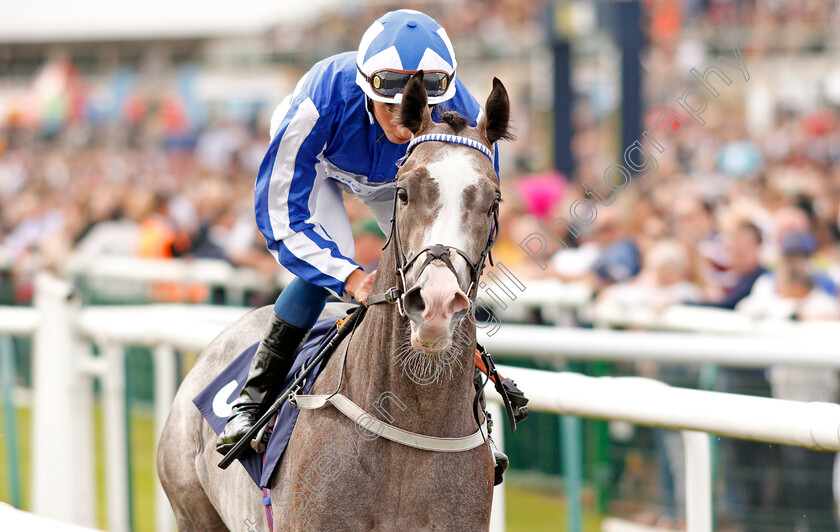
(506, 28)
(729, 220)
(64, 199)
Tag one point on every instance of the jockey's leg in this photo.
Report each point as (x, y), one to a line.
(295, 312)
(499, 457)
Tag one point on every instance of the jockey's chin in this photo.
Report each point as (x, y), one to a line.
(396, 139)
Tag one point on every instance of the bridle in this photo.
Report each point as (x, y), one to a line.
(396, 294)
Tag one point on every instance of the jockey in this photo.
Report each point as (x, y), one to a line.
(334, 134)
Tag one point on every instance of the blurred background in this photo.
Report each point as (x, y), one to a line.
(131, 134)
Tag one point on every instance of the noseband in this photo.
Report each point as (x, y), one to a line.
(396, 294)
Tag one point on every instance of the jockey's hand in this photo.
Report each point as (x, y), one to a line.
(359, 284)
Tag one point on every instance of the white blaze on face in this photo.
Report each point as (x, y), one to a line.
(441, 293)
(453, 173)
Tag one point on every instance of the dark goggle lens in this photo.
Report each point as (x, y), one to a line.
(388, 84)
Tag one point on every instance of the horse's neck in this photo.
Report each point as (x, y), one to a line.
(440, 408)
(443, 407)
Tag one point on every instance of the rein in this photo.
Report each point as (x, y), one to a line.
(396, 294)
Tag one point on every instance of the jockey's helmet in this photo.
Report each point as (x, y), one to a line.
(396, 46)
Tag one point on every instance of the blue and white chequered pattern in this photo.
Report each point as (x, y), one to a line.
(442, 137)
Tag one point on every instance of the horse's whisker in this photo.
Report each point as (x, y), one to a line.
(425, 369)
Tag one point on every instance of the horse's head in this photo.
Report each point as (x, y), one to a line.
(447, 200)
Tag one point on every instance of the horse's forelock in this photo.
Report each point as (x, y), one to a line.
(456, 121)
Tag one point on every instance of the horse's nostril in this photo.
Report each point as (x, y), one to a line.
(458, 303)
(413, 301)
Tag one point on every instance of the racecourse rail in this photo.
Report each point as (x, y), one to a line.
(64, 334)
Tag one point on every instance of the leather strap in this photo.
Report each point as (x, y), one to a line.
(390, 296)
(479, 363)
(390, 432)
(516, 404)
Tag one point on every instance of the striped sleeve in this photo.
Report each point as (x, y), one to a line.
(282, 194)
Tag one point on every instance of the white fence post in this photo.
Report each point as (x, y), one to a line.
(497, 514)
(116, 438)
(698, 481)
(62, 424)
(165, 388)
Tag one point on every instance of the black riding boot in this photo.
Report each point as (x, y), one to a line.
(271, 363)
(501, 459)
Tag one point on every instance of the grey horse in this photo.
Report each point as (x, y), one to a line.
(413, 369)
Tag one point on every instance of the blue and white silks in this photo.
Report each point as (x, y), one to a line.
(324, 141)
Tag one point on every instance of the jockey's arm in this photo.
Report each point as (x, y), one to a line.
(283, 204)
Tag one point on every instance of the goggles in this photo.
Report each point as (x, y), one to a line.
(389, 83)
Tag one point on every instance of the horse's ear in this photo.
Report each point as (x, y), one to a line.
(414, 110)
(495, 123)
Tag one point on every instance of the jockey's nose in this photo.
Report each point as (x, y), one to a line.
(403, 132)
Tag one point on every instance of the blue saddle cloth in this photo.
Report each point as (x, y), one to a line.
(214, 401)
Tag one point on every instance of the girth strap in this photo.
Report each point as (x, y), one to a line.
(390, 432)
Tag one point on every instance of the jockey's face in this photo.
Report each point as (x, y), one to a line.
(384, 114)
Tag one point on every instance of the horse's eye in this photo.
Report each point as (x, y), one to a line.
(402, 195)
(494, 207)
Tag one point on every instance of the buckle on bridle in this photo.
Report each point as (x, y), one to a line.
(393, 295)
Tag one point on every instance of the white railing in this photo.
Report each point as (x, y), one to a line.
(694, 412)
(64, 366)
(812, 345)
(691, 318)
(126, 274)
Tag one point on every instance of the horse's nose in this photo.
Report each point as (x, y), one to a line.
(433, 304)
(452, 303)
(443, 306)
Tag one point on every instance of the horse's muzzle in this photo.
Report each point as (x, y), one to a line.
(431, 306)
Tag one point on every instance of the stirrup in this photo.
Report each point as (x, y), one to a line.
(260, 441)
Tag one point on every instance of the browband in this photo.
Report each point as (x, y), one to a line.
(444, 137)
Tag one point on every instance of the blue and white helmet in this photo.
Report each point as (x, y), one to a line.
(398, 44)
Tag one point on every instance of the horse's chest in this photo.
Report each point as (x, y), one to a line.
(344, 478)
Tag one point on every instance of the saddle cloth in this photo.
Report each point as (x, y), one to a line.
(214, 401)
